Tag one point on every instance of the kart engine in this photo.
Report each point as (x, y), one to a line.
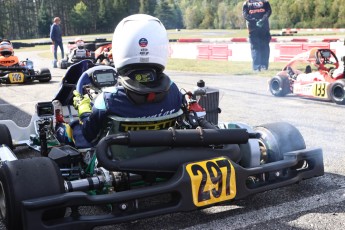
(208, 98)
(78, 177)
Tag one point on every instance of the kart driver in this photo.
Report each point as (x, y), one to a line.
(7, 57)
(141, 45)
(79, 51)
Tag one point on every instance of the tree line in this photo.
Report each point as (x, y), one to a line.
(24, 19)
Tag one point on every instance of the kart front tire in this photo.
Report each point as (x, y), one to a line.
(279, 138)
(337, 92)
(44, 72)
(279, 86)
(5, 137)
(28, 179)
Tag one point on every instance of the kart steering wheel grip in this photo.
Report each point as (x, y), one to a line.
(83, 80)
(87, 77)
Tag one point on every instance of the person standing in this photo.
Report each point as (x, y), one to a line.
(256, 13)
(56, 37)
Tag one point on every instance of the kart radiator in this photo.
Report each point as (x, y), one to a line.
(209, 101)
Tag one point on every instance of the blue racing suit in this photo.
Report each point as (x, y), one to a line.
(256, 13)
(114, 101)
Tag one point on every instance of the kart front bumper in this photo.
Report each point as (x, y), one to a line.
(183, 190)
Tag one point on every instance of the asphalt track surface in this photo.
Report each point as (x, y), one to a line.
(317, 203)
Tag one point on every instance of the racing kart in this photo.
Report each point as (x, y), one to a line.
(23, 72)
(77, 54)
(142, 167)
(313, 74)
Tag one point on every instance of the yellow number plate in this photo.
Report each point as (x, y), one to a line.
(16, 77)
(212, 181)
(320, 90)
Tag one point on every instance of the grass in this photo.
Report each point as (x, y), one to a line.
(202, 66)
(206, 33)
(42, 48)
(191, 65)
(221, 67)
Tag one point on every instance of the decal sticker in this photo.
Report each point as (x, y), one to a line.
(135, 126)
(212, 181)
(319, 90)
(16, 77)
(143, 42)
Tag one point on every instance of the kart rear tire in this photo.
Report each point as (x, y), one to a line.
(63, 64)
(279, 138)
(28, 179)
(337, 92)
(5, 137)
(46, 73)
(280, 86)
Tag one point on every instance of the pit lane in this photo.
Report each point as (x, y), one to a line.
(318, 203)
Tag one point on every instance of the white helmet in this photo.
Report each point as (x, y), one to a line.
(6, 48)
(79, 42)
(140, 41)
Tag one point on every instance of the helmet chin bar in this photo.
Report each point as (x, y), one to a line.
(146, 92)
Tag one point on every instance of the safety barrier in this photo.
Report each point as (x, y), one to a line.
(214, 52)
(240, 50)
(288, 51)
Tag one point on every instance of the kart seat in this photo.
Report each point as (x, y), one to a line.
(70, 80)
(123, 124)
(307, 69)
(117, 124)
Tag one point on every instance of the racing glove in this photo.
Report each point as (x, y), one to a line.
(81, 103)
(260, 23)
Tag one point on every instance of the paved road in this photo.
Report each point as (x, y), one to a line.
(318, 203)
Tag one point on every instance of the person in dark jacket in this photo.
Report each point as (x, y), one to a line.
(56, 37)
(256, 14)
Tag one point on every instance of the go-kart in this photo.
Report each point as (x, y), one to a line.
(143, 167)
(75, 55)
(322, 77)
(23, 72)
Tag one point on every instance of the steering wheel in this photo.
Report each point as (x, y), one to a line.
(326, 59)
(96, 78)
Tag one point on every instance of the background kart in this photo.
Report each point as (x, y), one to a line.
(93, 50)
(103, 55)
(194, 165)
(313, 74)
(23, 72)
(74, 57)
